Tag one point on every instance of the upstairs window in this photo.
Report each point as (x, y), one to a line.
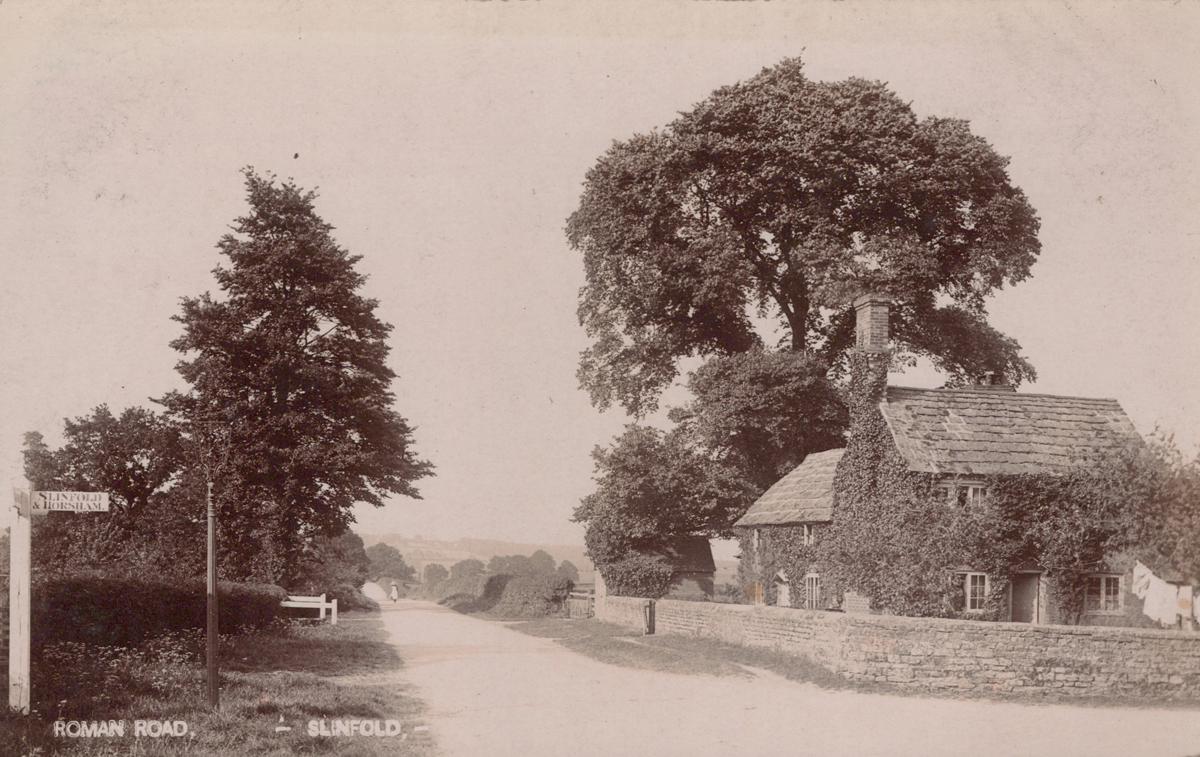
(807, 534)
(1102, 594)
(962, 494)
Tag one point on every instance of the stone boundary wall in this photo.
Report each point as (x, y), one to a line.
(934, 653)
(626, 611)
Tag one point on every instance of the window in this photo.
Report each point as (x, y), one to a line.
(806, 534)
(1102, 594)
(812, 591)
(975, 585)
(962, 494)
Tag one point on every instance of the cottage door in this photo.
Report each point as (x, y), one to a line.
(782, 590)
(1025, 597)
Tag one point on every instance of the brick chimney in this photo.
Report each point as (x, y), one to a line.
(871, 326)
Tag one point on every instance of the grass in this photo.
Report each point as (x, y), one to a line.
(617, 645)
(688, 655)
(286, 677)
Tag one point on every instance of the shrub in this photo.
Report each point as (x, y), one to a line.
(124, 612)
(532, 596)
(350, 597)
(638, 575)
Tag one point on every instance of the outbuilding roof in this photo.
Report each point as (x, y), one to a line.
(985, 431)
(805, 495)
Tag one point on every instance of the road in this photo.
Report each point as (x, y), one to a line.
(492, 691)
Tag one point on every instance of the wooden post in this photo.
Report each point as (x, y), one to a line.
(18, 601)
(214, 691)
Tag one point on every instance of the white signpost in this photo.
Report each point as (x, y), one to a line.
(25, 503)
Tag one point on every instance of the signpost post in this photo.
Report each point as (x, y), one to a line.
(26, 501)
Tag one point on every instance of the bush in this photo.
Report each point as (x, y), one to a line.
(124, 612)
(532, 596)
(350, 597)
(638, 575)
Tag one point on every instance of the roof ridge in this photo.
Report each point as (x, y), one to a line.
(988, 393)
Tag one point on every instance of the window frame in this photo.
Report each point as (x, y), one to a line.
(812, 591)
(968, 597)
(1104, 581)
(963, 493)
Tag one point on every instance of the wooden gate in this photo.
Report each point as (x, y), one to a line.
(581, 604)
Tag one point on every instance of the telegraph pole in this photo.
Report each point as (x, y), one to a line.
(214, 694)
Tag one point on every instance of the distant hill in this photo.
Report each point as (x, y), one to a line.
(420, 552)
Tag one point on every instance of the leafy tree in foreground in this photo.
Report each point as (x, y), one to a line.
(330, 563)
(788, 197)
(138, 458)
(289, 386)
(767, 209)
(386, 560)
(651, 487)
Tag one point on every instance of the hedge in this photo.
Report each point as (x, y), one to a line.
(125, 612)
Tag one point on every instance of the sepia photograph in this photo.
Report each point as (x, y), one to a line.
(549, 377)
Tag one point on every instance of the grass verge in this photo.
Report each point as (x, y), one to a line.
(270, 681)
(617, 645)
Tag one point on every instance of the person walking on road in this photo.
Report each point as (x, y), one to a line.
(395, 592)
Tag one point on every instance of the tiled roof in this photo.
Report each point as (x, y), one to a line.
(804, 495)
(981, 432)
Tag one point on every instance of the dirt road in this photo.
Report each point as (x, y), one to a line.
(493, 691)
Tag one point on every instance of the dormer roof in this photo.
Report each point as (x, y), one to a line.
(803, 496)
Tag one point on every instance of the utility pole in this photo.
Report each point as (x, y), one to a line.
(18, 602)
(214, 694)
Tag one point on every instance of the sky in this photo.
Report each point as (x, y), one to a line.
(448, 143)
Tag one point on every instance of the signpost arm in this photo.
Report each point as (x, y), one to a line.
(18, 600)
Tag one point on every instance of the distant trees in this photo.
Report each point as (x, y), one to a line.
(386, 560)
(435, 573)
(568, 571)
(511, 564)
(469, 568)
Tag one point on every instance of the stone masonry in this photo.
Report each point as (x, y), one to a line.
(932, 653)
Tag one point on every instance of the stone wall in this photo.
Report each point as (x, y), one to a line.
(626, 611)
(932, 653)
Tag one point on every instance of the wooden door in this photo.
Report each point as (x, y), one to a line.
(1025, 595)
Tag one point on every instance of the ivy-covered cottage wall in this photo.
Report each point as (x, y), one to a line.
(904, 539)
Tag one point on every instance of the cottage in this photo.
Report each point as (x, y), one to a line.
(952, 442)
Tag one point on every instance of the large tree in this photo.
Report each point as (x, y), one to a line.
(741, 233)
(785, 198)
(289, 386)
